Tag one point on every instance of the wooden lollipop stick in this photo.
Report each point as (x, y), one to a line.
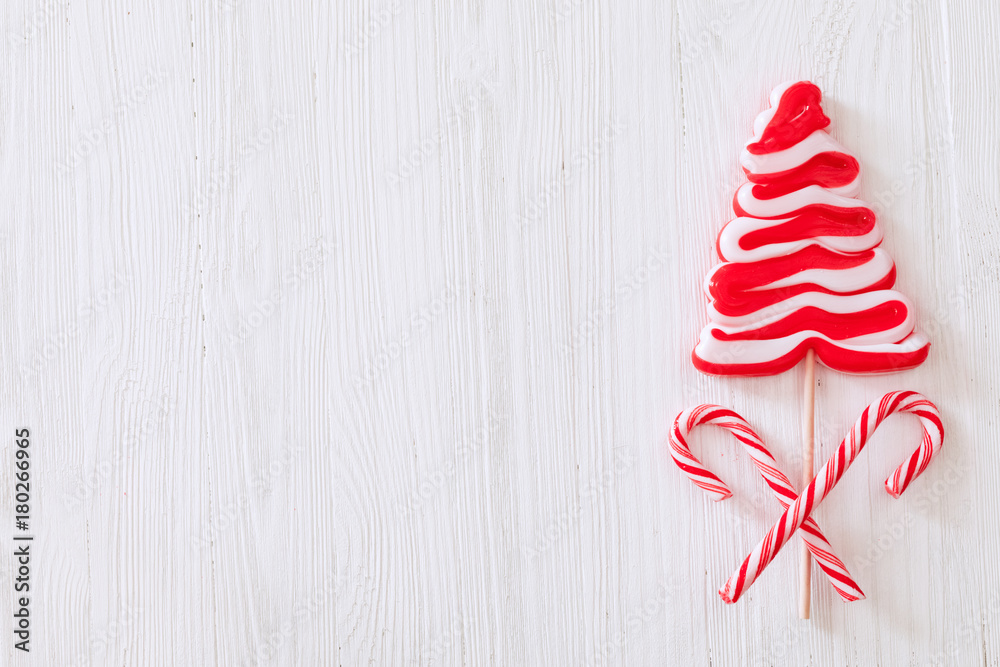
(809, 396)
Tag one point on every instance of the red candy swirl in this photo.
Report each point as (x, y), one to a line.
(801, 264)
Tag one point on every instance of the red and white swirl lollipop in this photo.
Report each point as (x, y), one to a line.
(802, 274)
(801, 267)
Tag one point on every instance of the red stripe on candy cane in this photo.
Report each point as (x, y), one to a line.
(797, 514)
(716, 415)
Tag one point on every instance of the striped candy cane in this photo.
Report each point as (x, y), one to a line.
(716, 415)
(827, 478)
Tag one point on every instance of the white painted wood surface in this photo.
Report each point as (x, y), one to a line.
(351, 334)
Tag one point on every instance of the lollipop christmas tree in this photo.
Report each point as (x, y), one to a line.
(801, 268)
(802, 274)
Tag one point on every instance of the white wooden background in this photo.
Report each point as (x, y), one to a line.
(351, 334)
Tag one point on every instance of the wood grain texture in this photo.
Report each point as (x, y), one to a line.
(350, 333)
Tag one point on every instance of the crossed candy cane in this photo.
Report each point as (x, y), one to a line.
(797, 514)
(716, 415)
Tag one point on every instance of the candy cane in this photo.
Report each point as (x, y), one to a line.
(768, 468)
(827, 478)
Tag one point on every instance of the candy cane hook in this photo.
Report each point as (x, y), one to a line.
(716, 415)
(798, 513)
